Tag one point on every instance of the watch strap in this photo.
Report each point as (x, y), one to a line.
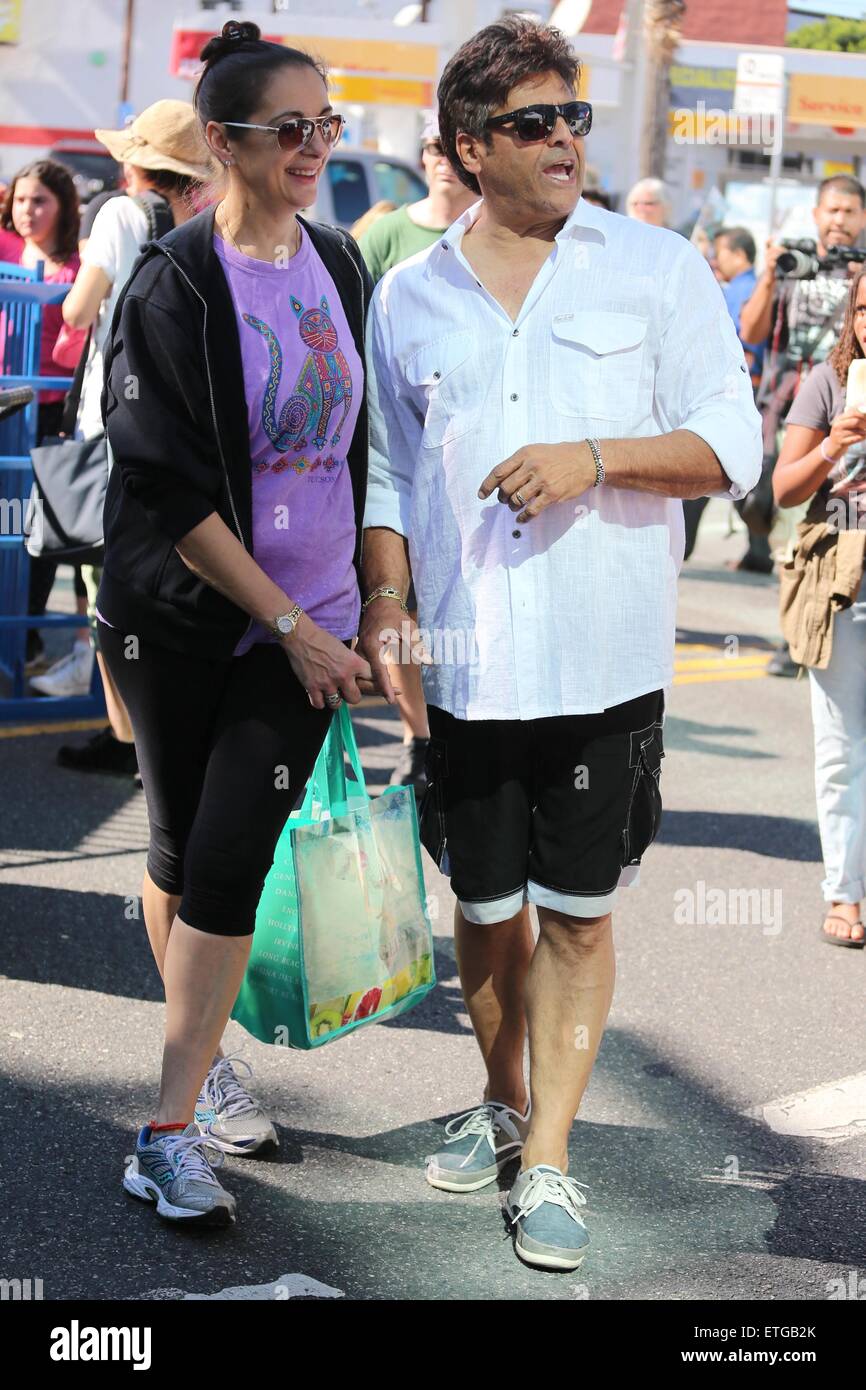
(293, 617)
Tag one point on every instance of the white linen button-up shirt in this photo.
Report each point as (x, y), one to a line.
(623, 334)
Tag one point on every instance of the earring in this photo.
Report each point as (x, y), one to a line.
(227, 162)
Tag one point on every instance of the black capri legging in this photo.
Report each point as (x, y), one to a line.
(225, 748)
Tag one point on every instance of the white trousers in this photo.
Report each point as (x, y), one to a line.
(839, 720)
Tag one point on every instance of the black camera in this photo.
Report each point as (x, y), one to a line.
(800, 259)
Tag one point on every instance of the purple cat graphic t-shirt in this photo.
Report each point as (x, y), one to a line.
(304, 383)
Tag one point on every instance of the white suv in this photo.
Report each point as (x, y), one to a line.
(356, 179)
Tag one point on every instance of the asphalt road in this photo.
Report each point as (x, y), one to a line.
(697, 1188)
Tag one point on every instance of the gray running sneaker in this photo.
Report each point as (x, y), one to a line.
(226, 1113)
(480, 1144)
(544, 1206)
(175, 1171)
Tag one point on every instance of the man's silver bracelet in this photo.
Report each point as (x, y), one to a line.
(599, 466)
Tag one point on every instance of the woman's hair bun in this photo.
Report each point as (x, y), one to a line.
(235, 35)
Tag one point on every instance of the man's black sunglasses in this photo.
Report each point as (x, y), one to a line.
(533, 123)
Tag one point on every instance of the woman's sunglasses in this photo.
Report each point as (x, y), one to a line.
(296, 134)
(534, 123)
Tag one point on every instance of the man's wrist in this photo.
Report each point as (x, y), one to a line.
(385, 591)
(596, 463)
(829, 457)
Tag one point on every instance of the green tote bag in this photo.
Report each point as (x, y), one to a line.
(342, 936)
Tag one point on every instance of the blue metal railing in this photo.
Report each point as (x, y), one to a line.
(23, 293)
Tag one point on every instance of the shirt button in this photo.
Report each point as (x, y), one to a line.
(436, 376)
(515, 333)
(515, 534)
(514, 396)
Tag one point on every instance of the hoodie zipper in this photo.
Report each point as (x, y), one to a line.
(347, 252)
(203, 302)
(356, 268)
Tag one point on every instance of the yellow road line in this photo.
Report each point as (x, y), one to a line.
(691, 678)
(721, 663)
(700, 662)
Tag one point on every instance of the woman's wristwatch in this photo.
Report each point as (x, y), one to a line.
(285, 624)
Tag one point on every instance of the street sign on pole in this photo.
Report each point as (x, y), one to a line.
(760, 91)
(760, 84)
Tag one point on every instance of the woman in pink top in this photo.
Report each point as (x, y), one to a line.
(39, 223)
(41, 208)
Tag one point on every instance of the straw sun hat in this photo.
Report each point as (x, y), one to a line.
(166, 135)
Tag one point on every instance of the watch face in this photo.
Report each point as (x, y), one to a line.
(285, 624)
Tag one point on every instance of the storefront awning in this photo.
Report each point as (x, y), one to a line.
(387, 72)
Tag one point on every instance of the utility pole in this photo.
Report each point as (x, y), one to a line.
(662, 30)
(125, 51)
(632, 83)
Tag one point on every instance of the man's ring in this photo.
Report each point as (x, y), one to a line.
(334, 700)
(519, 497)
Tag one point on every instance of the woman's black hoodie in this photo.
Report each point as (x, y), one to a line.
(176, 418)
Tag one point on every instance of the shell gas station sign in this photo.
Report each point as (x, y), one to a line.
(375, 69)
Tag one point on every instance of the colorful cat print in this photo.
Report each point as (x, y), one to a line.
(323, 383)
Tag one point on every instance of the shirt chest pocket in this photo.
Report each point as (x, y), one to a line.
(445, 384)
(596, 361)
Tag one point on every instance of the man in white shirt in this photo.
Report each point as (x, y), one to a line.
(545, 383)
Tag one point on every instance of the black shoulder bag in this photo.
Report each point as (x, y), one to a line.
(64, 516)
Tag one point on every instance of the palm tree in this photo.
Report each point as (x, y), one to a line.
(663, 21)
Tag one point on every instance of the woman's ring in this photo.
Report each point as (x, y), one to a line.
(334, 700)
(519, 497)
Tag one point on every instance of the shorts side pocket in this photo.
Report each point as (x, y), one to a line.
(431, 814)
(644, 812)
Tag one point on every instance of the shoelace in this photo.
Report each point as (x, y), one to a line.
(224, 1092)
(62, 666)
(481, 1121)
(186, 1154)
(552, 1187)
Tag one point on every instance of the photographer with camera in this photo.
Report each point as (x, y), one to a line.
(823, 602)
(797, 308)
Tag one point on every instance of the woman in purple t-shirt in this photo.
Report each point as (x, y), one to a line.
(229, 597)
